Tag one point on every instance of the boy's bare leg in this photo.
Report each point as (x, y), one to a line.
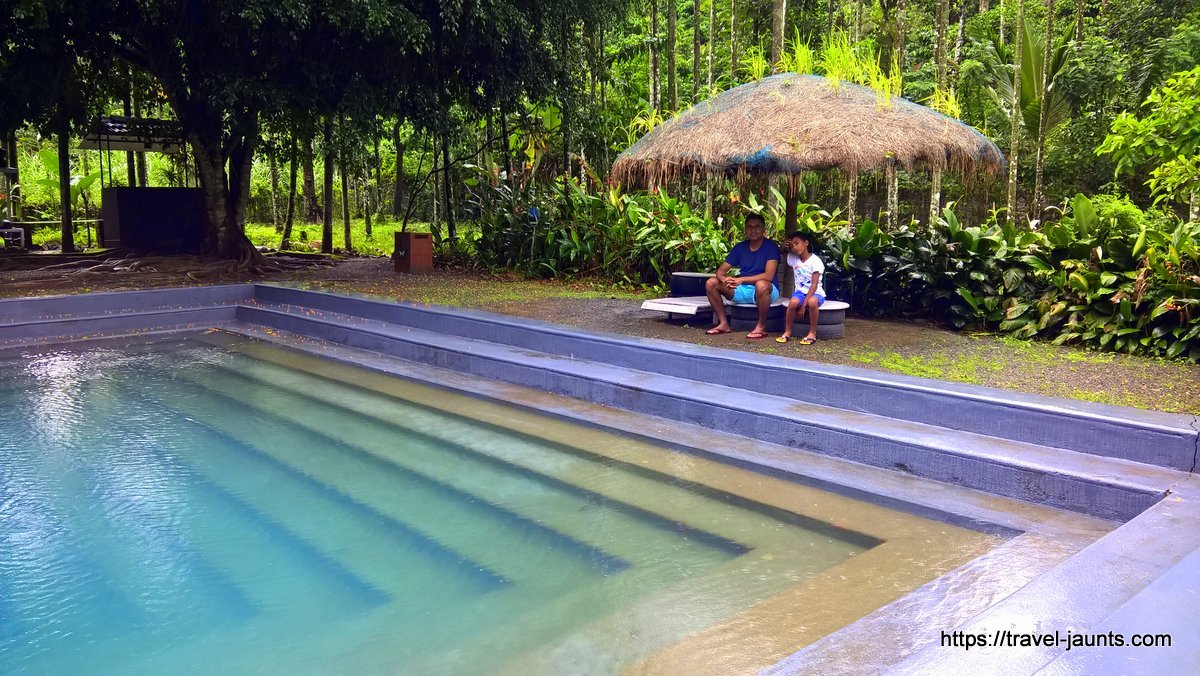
(717, 293)
(813, 310)
(790, 318)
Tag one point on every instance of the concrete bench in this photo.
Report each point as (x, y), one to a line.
(743, 316)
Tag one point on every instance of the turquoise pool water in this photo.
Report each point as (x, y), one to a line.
(180, 507)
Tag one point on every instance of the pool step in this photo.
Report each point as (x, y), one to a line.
(638, 541)
(386, 555)
(1102, 486)
(417, 501)
(692, 511)
(1151, 437)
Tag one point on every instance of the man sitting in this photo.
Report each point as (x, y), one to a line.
(756, 259)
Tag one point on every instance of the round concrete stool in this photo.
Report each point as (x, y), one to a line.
(744, 316)
(830, 320)
(684, 284)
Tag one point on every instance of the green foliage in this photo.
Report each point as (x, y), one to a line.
(79, 184)
(1106, 276)
(634, 238)
(1167, 137)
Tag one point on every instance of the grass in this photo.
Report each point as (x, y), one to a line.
(487, 292)
(1024, 365)
(380, 243)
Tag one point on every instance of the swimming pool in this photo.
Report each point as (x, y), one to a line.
(218, 502)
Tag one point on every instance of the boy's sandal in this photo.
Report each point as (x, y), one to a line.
(714, 331)
(781, 339)
(807, 341)
(756, 335)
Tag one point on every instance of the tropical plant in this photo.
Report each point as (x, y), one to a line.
(1167, 138)
(79, 184)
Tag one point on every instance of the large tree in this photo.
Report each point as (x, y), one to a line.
(223, 65)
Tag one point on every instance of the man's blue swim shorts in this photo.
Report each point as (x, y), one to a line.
(744, 293)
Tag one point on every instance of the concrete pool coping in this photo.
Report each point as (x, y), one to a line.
(1149, 562)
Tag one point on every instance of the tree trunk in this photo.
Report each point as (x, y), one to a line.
(64, 184)
(958, 40)
(347, 244)
(830, 8)
(695, 51)
(1001, 13)
(1194, 207)
(940, 37)
(857, 20)
(291, 198)
(274, 190)
(935, 195)
(367, 202)
(712, 42)
(789, 205)
(733, 45)
(226, 195)
(139, 157)
(312, 208)
(375, 197)
(398, 188)
(14, 195)
(1015, 118)
(508, 169)
(566, 110)
(1043, 113)
(1078, 21)
(130, 163)
(327, 188)
(435, 173)
(778, 30)
(901, 33)
(655, 100)
(448, 188)
(672, 85)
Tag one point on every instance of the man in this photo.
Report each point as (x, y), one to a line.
(756, 259)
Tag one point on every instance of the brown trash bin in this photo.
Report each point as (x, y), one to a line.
(413, 252)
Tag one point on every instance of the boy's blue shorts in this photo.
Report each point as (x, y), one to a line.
(744, 293)
(799, 295)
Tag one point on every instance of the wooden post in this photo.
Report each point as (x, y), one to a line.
(893, 195)
(64, 184)
(851, 196)
(790, 201)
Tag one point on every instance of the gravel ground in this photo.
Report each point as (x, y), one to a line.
(901, 347)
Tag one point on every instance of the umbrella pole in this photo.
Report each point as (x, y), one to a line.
(893, 201)
(851, 197)
(789, 207)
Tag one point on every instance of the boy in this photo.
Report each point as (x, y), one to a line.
(809, 294)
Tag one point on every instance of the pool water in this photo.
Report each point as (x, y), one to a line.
(222, 505)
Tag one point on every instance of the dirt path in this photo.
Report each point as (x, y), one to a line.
(895, 346)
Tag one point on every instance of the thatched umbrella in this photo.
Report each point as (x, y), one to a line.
(790, 123)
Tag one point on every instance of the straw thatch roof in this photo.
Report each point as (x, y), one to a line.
(789, 123)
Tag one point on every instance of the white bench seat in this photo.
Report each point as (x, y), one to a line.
(743, 316)
(692, 305)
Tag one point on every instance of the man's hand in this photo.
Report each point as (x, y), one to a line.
(732, 282)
